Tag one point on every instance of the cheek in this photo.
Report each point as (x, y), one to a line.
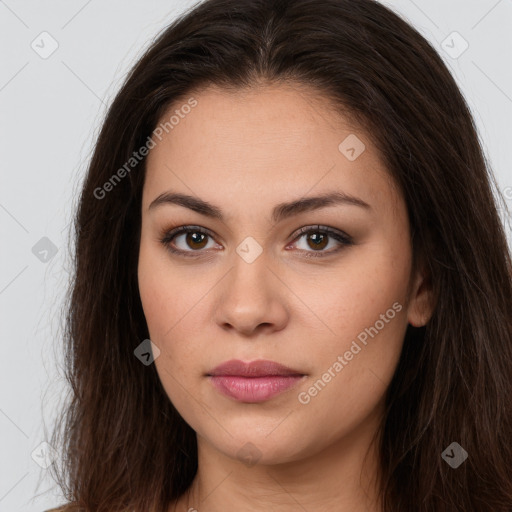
(353, 377)
(344, 300)
(172, 301)
(166, 317)
(165, 293)
(363, 319)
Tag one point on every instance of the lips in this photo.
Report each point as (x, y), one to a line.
(253, 382)
(259, 368)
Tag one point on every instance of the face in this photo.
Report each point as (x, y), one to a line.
(331, 302)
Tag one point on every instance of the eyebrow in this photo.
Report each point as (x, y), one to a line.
(280, 212)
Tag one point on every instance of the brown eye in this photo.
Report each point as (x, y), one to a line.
(317, 238)
(195, 239)
(189, 241)
(186, 240)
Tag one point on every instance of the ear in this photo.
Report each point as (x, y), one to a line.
(421, 303)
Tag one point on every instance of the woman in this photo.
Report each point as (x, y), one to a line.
(293, 290)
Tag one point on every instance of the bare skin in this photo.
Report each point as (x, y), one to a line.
(246, 152)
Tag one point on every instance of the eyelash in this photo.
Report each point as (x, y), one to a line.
(345, 240)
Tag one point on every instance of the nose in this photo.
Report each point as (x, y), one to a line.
(252, 298)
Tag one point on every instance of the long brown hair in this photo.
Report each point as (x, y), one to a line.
(123, 444)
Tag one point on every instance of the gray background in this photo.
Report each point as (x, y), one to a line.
(51, 109)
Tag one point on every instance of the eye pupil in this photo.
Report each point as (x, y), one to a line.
(318, 239)
(193, 242)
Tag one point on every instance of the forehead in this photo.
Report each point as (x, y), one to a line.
(265, 143)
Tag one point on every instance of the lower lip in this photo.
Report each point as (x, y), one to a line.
(254, 389)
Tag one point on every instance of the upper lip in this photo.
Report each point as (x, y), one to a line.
(258, 368)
